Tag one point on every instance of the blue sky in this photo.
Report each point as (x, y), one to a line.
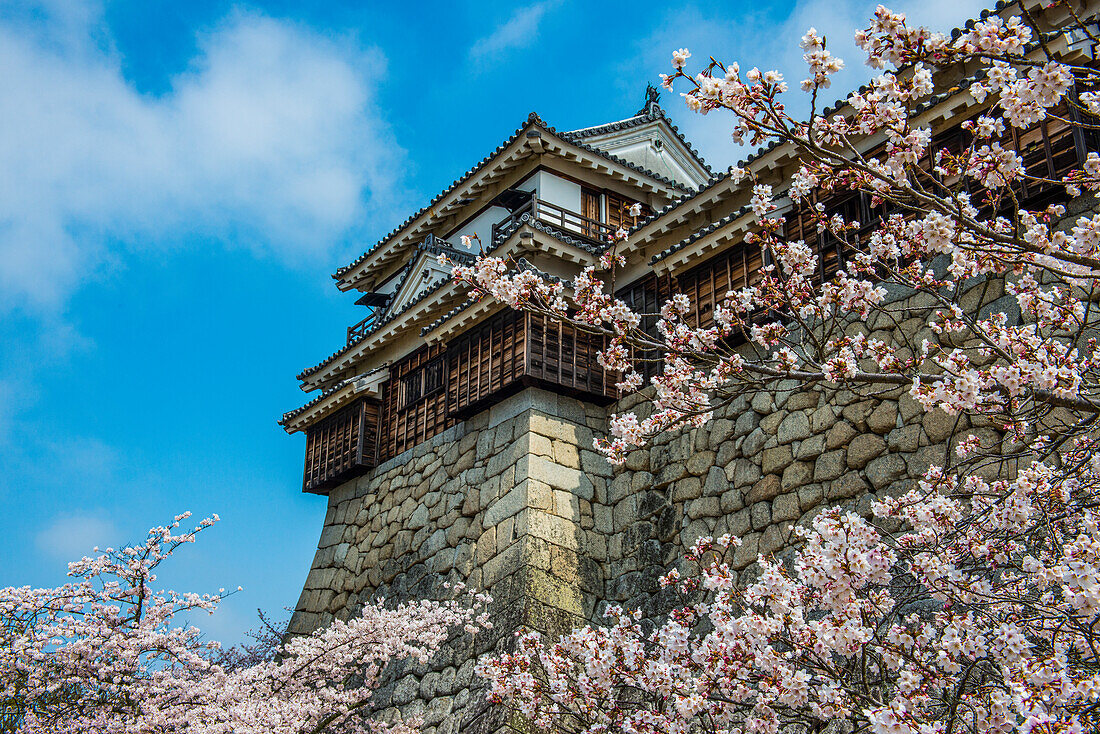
(180, 179)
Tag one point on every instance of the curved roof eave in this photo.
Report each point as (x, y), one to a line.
(350, 274)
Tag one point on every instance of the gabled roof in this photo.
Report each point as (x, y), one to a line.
(449, 200)
(290, 415)
(651, 112)
(556, 232)
(432, 246)
(584, 252)
(700, 234)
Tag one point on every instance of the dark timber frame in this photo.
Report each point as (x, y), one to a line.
(341, 446)
(435, 386)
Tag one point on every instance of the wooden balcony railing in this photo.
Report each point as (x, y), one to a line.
(359, 330)
(342, 446)
(565, 220)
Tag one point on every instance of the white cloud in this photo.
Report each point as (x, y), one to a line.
(71, 537)
(757, 40)
(518, 31)
(270, 140)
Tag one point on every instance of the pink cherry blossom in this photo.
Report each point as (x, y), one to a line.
(964, 603)
(108, 652)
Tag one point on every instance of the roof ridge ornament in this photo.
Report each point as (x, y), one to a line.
(652, 102)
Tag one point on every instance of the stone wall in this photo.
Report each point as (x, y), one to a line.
(774, 459)
(512, 501)
(515, 501)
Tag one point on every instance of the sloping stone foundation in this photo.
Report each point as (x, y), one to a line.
(516, 502)
(512, 501)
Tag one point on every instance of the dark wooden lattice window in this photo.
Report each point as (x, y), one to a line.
(411, 413)
(341, 446)
(410, 389)
(435, 375)
(646, 296)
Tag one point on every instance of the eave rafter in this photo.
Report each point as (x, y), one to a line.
(727, 231)
(437, 298)
(527, 240)
(533, 140)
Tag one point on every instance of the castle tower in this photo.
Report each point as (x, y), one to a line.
(453, 438)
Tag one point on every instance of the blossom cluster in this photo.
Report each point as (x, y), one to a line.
(107, 653)
(912, 634)
(964, 603)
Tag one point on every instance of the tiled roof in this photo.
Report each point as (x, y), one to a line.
(532, 119)
(389, 317)
(612, 157)
(562, 236)
(576, 137)
(477, 167)
(449, 315)
(924, 106)
(554, 232)
(432, 245)
(429, 245)
(698, 235)
(521, 263)
(714, 181)
(928, 104)
(651, 113)
(292, 414)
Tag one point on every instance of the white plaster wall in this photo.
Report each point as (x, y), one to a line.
(481, 225)
(636, 146)
(531, 183)
(555, 190)
(417, 281)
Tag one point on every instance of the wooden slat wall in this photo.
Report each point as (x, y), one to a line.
(646, 296)
(853, 206)
(1049, 149)
(369, 425)
(341, 445)
(407, 422)
(618, 208)
(707, 283)
(485, 360)
(559, 354)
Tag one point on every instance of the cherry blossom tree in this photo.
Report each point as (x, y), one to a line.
(107, 653)
(266, 644)
(967, 603)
